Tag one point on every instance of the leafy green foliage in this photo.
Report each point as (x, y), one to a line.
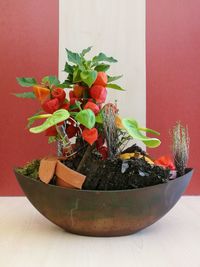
(55, 118)
(76, 74)
(85, 51)
(73, 57)
(86, 117)
(32, 119)
(102, 67)
(103, 57)
(26, 82)
(51, 81)
(85, 71)
(114, 86)
(113, 78)
(68, 68)
(65, 84)
(88, 77)
(52, 139)
(148, 130)
(131, 126)
(99, 118)
(37, 116)
(30, 95)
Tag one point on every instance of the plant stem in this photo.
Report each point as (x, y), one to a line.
(64, 145)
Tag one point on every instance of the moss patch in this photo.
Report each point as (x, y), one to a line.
(30, 169)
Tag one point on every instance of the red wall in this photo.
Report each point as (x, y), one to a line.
(28, 47)
(173, 73)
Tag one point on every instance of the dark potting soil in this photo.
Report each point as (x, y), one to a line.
(109, 174)
(134, 148)
(120, 174)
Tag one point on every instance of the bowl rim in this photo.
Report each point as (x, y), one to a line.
(188, 170)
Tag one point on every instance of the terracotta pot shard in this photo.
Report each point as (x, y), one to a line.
(47, 169)
(67, 177)
(62, 183)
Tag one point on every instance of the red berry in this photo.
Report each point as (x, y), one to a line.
(60, 94)
(104, 152)
(101, 79)
(73, 100)
(165, 161)
(71, 131)
(50, 106)
(99, 93)
(90, 135)
(51, 131)
(65, 106)
(78, 90)
(100, 141)
(92, 106)
(71, 94)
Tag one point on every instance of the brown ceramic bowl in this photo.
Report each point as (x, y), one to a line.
(104, 213)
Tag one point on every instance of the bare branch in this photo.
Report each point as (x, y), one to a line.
(180, 147)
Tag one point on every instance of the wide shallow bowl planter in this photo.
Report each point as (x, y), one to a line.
(104, 213)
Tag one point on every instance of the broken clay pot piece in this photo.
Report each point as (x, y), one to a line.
(62, 183)
(67, 177)
(47, 169)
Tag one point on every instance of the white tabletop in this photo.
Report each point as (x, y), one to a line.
(27, 239)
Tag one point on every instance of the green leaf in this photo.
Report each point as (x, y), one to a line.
(148, 130)
(26, 95)
(35, 117)
(73, 57)
(103, 57)
(65, 84)
(78, 105)
(102, 67)
(55, 118)
(114, 86)
(77, 75)
(26, 82)
(52, 139)
(99, 118)
(70, 77)
(88, 77)
(131, 126)
(68, 68)
(86, 117)
(85, 51)
(113, 78)
(32, 119)
(51, 80)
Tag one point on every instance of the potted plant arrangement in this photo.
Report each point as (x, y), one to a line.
(96, 184)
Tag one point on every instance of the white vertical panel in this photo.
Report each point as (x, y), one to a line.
(116, 27)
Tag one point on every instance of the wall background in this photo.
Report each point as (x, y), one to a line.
(173, 73)
(28, 47)
(118, 29)
(32, 44)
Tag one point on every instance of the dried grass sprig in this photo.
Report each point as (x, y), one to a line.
(180, 147)
(110, 130)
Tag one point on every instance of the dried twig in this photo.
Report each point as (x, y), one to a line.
(180, 147)
(110, 129)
